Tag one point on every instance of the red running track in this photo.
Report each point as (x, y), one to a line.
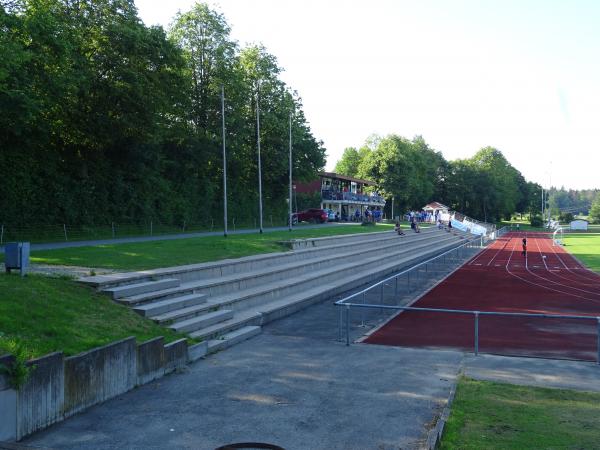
(547, 281)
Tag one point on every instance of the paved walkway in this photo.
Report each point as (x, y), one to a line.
(167, 237)
(579, 375)
(294, 386)
(298, 387)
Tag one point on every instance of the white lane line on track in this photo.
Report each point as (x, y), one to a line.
(541, 285)
(498, 252)
(594, 278)
(580, 279)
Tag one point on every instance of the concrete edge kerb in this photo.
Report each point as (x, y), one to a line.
(435, 434)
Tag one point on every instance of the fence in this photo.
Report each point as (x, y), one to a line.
(66, 232)
(430, 270)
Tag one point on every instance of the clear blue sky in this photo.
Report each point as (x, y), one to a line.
(521, 76)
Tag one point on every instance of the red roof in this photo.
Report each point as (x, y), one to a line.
(435, 205)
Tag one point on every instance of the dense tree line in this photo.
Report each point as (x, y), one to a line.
(105, 119)
(485, 187)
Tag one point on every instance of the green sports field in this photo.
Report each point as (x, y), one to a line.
(585, 247)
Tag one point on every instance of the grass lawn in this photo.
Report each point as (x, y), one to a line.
(524, 225)
(150, 255)
(487, 415)
(50, 314)
(585, 247)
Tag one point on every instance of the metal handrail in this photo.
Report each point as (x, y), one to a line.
(476, 314)
(373, 286)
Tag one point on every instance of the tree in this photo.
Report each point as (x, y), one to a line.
(595, 210)
(350, 161)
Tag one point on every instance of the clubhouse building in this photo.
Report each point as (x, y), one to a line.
(344, 195)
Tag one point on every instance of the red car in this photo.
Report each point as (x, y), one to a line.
(311, 215)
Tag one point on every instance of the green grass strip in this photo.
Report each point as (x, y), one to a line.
(154, 254)
(585, 247)
(47, 314)
(488, 415)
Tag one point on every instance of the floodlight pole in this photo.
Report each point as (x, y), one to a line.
(290, 197)
(224, 163)
(260, 205)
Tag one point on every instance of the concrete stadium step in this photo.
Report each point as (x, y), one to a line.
(251, 298)
(140, 288)
(245, 280)
(171, 304)
(215, 269)
(266, 312)
(268, 290)
(155, 296)
(185, 326)
(232, 338)
(185, 313)
(328, 241)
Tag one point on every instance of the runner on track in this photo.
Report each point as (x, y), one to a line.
(524, 252)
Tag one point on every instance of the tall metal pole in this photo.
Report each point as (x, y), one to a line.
(542, 203)
(392, 209)
(260, 206)
(290, 201)
(224, 164)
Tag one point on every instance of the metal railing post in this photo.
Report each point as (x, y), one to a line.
(347, 325)
(340, 320)
(363, 309)
(476, 333)
(598, 348)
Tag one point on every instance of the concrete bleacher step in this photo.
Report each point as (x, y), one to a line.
(246, 280)
(155, 296)
(186, 313)
(205, 320)
(171, 304)
(281, 307)
(216, 269)
(141, 288)
(232, 338)
(275, 289)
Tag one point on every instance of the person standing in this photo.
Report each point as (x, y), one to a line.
(524, 252)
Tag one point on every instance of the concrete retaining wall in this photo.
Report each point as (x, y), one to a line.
(8, 405)
(150, 360)
(59, 387)
(99, 374)
(40, 400)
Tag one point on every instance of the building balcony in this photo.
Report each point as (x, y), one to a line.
(350, 197)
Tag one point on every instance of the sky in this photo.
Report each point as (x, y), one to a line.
(521, 76)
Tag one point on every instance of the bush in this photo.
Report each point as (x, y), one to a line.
(536, 221)
(565, 217)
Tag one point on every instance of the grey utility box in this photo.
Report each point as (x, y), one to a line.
(16, 256)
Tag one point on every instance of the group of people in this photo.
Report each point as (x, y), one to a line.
(371, 215)
(423, 216)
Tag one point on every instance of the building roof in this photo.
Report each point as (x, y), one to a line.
(435, 205)
(347, 178)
